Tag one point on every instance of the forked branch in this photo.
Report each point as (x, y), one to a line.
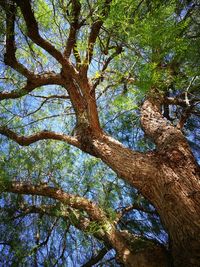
(33, 31)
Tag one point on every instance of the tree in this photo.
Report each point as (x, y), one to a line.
(69, 72)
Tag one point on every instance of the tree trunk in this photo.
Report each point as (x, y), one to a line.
(177, 201)
(176, 187)
(168, 177)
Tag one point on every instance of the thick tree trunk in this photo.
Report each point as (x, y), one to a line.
(177, 200)
(172, 185)
(176, 187)
(168, 178)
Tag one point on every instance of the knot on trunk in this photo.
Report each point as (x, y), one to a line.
(85, 135)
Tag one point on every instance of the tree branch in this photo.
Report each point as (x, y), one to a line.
(127, 253)
(44, 242)
(135, 167)
(94, 31)
(116, 53)
(179, 101)
(96, 26)
(135, 206)
(34, 35)
(9, 57)
(33, 82)
(185, 115)
(51, 96)
(74, 201)
(33, 31)
(44, 135)
(164, 134)
(95, 259)
(74, 216)
(71, 41)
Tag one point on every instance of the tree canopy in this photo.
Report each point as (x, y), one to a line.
(99, 133)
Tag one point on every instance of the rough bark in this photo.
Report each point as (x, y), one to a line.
(177, 186)
(137, 254)
(169, 178)
(173, 188)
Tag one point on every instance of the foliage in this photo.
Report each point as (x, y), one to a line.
(159, 43)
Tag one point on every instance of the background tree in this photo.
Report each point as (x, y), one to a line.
(80, 72)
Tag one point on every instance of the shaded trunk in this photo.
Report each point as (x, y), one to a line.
(133, 252)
